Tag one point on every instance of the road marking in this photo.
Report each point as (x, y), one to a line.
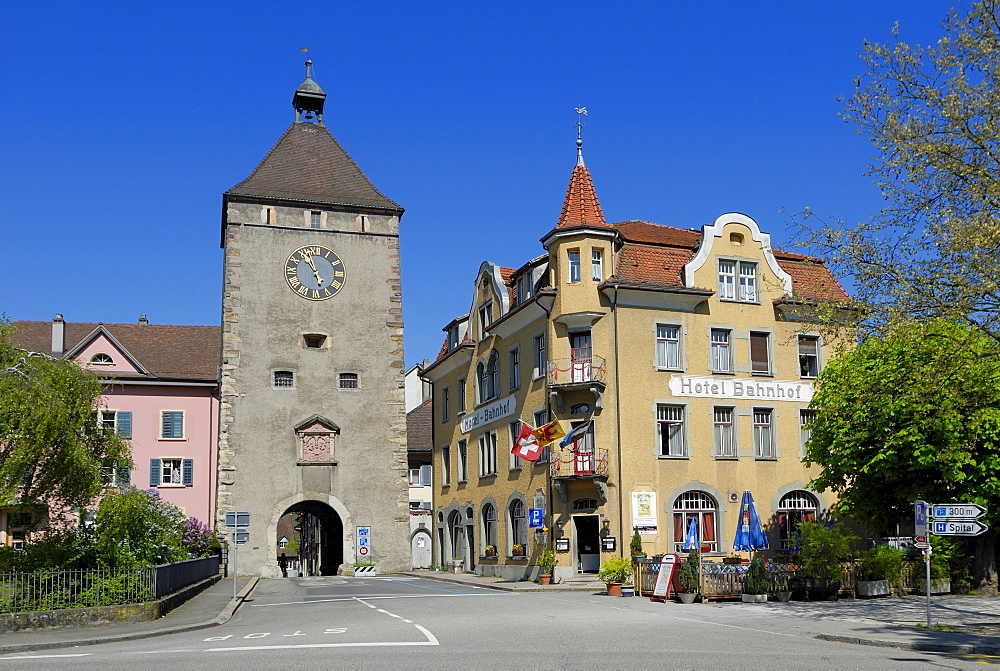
(436, 589)
(79, 654)
(357, 598)
(382, 644)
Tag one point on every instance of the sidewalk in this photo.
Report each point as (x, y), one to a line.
(961, 624)
(210, 607)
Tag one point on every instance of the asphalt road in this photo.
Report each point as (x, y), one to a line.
(388, 622)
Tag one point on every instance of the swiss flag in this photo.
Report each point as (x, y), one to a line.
(526, 446)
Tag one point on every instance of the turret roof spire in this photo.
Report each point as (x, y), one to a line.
(581, 207)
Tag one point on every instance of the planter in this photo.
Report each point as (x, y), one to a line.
(872, 588)
(545, 578)
(814, 589)
(732, 561)
(614, 589)
(754, 598)
(937, 586)
(628, 590)
(638, 558)
(687, 597)
(783, 595)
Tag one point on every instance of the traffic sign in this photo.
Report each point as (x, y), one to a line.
(957, 511)
(236, 520)
(535, 518)
(241, 536)
(958, 528)
(920, 525)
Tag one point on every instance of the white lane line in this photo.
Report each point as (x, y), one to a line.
(79, 654)
(382, 644)
(354, 598)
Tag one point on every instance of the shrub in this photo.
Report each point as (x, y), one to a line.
(689, 573)
(635, 545)
(547, 561)
(882, 562)
(137, 528)
(822, 548)
(756, 582)
(198, 538)
(616, 570)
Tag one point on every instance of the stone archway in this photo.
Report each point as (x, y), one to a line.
(321, 537)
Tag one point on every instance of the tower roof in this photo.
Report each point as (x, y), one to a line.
(309, 97)
(308, 165)
(581, 208)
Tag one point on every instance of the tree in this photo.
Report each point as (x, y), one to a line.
(912, 414)
(933, 114)
(52, 448)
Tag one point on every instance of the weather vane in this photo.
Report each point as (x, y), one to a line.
(580, 113)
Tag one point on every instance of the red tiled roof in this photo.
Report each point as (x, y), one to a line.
(655, 234)
(580, 207)
(165, 350)
(648, 264)
(418, 428)
(812, 280)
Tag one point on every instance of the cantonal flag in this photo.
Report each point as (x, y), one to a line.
(549, 433)
(525, 446)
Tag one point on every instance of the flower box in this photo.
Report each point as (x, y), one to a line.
(870, 588)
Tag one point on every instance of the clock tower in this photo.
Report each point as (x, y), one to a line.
(312, 420)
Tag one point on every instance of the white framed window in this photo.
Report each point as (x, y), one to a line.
(596, 265)
(538, 356)
(668, 346)
(523, 287)
(574, 265)
(760, 353)
(348, 380)
(415, 478)
(514, 368)
(488, 454)
(445, 465)
(102, 359)
(808, 356)
(489, 514)
(702, 508)
(315, 219)
(670, 431)
(794, 509)
(748, 282)
(727, 280)
(171, 424)
(513, 429)
(171, 471)
(485, 318)
(722, 360)
(806, 419)
(463, 461)
(461, 395)
(119, 421)
(518, 525)
(284, 379)
(724, 430)
(445, 403)
(763, 433)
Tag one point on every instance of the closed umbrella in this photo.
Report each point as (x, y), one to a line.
(750, 535)
(691, 538)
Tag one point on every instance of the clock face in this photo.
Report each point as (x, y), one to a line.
(315, 272)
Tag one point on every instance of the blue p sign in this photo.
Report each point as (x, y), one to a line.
(535, 517)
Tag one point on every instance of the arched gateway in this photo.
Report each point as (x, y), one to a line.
(319, 532)
(312, 416)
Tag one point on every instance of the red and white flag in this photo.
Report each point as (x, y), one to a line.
(526, 447)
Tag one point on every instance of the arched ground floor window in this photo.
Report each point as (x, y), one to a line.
(793, 509)
(702, 508)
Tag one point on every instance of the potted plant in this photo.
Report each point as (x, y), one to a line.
(517, 550)
(546, 562)
(614, 573)
(490, 551)
(635, 546)
(458, 565)
(819, 573)
(755, 586)
(880, 568)
(689, 578)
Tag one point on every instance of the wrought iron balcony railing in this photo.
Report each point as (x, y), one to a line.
(567, 463)
(567, 372)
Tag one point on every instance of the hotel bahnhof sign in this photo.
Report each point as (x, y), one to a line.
(505, 407)
(755, 389)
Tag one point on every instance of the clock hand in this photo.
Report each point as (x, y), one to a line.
(309, 259)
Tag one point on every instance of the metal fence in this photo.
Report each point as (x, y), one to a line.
(83, 588)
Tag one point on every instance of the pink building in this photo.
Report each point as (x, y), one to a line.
(162, 393)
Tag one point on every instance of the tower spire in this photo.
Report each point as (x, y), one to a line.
(581, 207)
(580, 113)
(309, 97)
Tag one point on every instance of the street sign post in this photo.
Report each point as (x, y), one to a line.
(957, 511)
(241, 536)
(237, 519)
(364, 549)
(958, 527)
(920, 525)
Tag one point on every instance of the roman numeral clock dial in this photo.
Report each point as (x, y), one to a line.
(315, 272)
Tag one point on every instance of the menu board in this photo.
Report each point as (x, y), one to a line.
(661, 589)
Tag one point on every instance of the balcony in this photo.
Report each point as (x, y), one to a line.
(567, 463)
(577, 374)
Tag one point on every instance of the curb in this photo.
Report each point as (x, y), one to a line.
(223, 617)
(960, 648)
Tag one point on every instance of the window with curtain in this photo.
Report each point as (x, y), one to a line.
(794, 509)
(702, 508)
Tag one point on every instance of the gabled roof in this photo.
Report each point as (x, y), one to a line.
(164, 350)
(308, 165)
(418, 428)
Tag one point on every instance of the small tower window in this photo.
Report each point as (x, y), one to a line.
(314, 340)
(348, 380)
(363, 223)
(284, 378)
(315, 219)
(102, 359)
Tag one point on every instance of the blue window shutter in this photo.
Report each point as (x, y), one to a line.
(123, 423)
(165, 431)
(154, 472)
(188, 473)
(173, 424)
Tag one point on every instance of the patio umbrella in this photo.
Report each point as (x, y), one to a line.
(750, 535)
(691, 538)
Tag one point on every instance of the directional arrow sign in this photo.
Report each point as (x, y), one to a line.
(958, 528)
(962, 511)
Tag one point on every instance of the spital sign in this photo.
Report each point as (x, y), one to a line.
(725, 387)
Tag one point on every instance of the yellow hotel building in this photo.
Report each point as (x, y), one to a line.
(691, 353)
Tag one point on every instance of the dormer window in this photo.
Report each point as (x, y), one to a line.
(523, 288)
(731, 272)
(485, 318)
(102, 359)
(452, 337)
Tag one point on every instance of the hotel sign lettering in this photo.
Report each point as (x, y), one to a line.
(755, 389)
(487, 414)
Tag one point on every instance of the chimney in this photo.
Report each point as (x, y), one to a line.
(58, 335)
(143, 320)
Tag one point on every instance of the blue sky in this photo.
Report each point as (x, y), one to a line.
(121, 124)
